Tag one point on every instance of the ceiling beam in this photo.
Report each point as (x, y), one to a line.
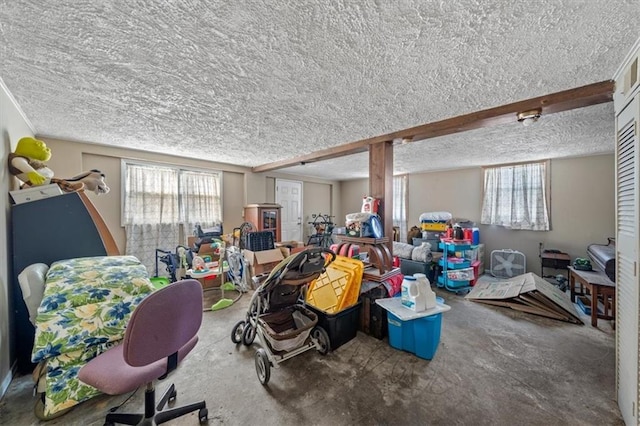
(566, 100)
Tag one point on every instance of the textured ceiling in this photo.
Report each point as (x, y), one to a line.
(256, 81)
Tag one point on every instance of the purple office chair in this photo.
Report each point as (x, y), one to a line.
(161, 332)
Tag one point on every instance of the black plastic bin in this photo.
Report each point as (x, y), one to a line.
(373, 317)
(259, 241)
(341, 326)
(430, 269)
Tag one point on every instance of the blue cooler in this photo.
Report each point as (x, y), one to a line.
(415, 332)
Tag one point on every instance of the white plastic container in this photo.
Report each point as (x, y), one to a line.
(411, 296)
(424, 287)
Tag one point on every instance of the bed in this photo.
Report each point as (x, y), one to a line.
(85, 308)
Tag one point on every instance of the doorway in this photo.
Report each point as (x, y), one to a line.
(289, 196)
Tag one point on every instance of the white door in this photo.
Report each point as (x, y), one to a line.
(289, 196)
(627, 293)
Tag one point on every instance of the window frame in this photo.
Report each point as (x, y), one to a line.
(123, 173)
(547, 189)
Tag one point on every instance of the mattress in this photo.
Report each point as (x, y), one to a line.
(86, 306)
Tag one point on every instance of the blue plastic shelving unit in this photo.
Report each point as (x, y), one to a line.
(457, 286)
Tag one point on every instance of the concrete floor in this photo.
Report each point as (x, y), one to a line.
(494, 366)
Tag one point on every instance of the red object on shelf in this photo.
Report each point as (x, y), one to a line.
(396, 262)
(476, 271)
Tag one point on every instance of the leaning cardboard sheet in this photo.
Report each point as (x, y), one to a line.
(527, 293)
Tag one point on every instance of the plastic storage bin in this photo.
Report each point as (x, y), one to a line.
(341, 326)
(338, 287)
(410, 267)
(415, 332)
(259, 241)
(434, 226)
(419, 336)
(443, 281)
(455, 263)
(465, 274)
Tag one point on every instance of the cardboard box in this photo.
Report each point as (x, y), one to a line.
(290, 244)
(35, 193)
(262, 261)
(286, 251)
(527, 293)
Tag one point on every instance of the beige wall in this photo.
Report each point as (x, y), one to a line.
(582, 206)
(71, 158)
(317, 200)
(351, 193)
(13, 126)
(318, 196)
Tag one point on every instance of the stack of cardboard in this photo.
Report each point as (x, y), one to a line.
(527, 293)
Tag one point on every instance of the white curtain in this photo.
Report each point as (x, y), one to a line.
(515, 197)
(201, 199)
(150, 212)
(400, 205)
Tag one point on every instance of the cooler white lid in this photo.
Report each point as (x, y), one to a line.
(395, 306)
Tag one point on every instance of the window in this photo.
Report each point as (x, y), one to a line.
(400, 205)
(515, 197)
(162, 202)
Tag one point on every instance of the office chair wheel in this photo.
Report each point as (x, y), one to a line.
(237, 332)
(263, 366)
(203, 415)
(249, 334)
(322, 338)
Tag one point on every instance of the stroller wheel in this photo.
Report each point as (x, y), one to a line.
(322, 339)
(263, 367)
(237, 332)
(249, 334)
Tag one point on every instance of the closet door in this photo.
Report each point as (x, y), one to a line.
(627, 236)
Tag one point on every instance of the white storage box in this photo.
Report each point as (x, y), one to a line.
(35, 193)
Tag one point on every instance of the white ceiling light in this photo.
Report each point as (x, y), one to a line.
(529, 117)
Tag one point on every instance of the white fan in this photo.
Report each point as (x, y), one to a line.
(507, 263)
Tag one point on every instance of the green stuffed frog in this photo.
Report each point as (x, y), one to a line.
(28, 163)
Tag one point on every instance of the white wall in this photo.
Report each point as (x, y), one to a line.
(13, 126)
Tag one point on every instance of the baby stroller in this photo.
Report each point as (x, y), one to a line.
(278, 316)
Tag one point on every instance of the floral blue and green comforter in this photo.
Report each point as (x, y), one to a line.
(86, 306)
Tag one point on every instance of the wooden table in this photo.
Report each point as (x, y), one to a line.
(597, 284)
(379, 253)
